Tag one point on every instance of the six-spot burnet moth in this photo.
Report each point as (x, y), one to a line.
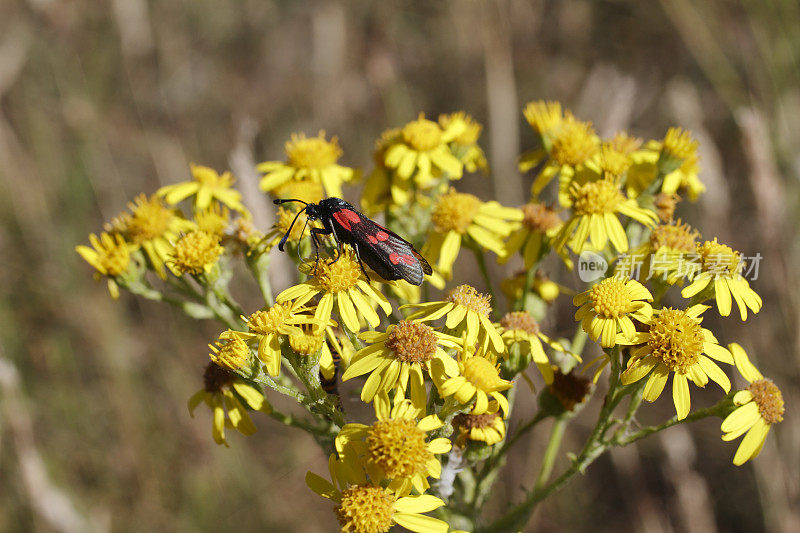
(385, 252)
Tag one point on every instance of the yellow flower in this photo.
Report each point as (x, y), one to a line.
(218, 394)
(722, 265)
(152, 227)
(521, 329)
(477, 379)
(675, 342)
(458, 214)
(572, 144)
(759, 406)
(395, 448)
(607, 308)
(381, 189)
(367, 508)
(341, 282)
(285, 217)
(267, 326)
(595, 206)
(195, 253)
(110, 256)
(488, 427)
(206, 186)
(421, 152)
(308, 158)
(540, 223)
(465, 146)
(214, 220)
(675, 158)
(664, 254)
(677, 147)
(306, 190)
(467, 313)
(544, 117)
(230, 352)
(396, 359)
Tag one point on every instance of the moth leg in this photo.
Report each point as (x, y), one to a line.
(338, 245)
(315, 232)
(360, 262)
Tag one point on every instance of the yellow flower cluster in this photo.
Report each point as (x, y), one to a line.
(436, 366)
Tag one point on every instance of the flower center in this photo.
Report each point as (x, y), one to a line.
(613, 161)
(520, 320)
(454, 211)
(719, 259)
(611, 298)
(596, 197)
(308, 343)
(422, 135)
(544, 117)
(398, 447)
(471, 299)
(675, 236)
(365, 509)
(570, 389)
(149, 219)
(313, 152)
(665, 205)
(679, 144)
(676, 339)
(233, 354)
(213, 220)
(769, 399)
(468, 421)
(339, 276)
(483, 375)
(539, 217)
(215, 377)
(270, 320)
(575, 142)
(196, 250)
(412, 342)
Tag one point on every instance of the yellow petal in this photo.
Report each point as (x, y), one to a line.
(680, 395)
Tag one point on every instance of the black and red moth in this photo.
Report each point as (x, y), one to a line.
(384, 251)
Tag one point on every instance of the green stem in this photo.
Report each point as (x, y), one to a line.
(530, 277)
(718, 410)
(578, 340)
(551, 452)
(259, 268)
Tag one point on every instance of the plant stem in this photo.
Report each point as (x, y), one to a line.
(485, 273)
(550, 454)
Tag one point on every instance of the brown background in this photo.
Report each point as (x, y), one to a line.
(100, 100)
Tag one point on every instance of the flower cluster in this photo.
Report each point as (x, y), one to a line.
(439, 371)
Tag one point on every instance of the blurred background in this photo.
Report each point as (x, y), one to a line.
(102, 100)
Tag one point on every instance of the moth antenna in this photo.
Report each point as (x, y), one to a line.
(286, 235)
(280, 201)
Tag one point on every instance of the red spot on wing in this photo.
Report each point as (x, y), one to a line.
(343, 219)
(382, 236)
(372, 240)
(351, 215)
(408, 259)
(394, 257)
